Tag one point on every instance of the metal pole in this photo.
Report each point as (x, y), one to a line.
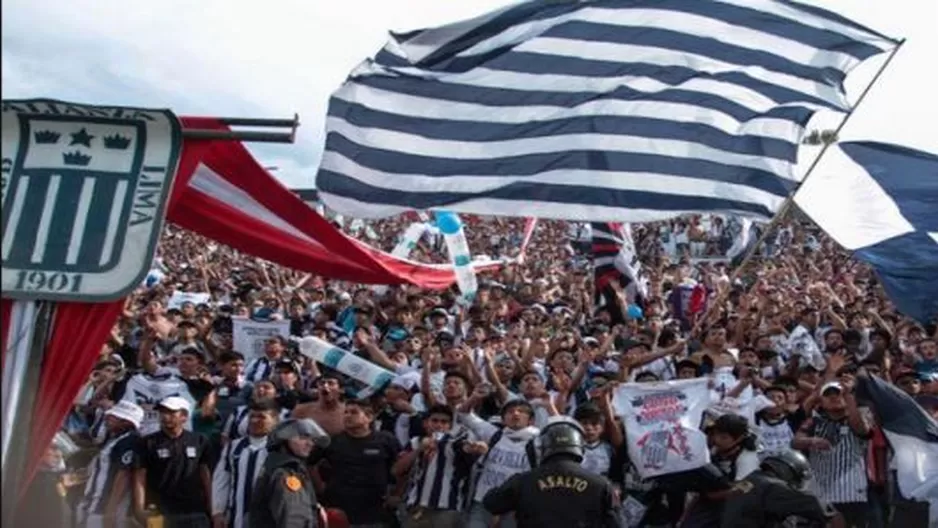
(20, 446)
(262, 122)
(256, 136)
(786, 205)
(240, 135)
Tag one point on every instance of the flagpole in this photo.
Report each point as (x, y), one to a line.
(789, 200)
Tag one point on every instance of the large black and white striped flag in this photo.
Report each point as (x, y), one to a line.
(591, 110)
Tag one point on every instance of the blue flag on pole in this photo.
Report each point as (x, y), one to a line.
(881, 202)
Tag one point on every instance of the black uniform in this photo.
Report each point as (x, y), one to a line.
(283, 494)
(763, 501)
(559, 493)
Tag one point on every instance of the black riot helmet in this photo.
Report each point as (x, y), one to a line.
(789, 465)
(292, 428)
(562, 437)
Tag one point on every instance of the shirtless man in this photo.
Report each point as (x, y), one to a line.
(329, 410)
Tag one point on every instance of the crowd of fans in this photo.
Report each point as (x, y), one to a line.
(784, 340)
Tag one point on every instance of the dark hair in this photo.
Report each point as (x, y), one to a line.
(588, 412)
(460, 375)
(228, 357)
(440, 409)
(265, 406)
(193, 351)
(518, 403)
(364, 405)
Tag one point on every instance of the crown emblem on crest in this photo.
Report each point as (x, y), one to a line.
(116, 142)
(76, 158)
(47, 137)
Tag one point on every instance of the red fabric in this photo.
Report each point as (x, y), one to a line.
(6, 308)
(78, 331)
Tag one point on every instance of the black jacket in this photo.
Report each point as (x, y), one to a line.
(559, 493)
(763, 501)
(283, 494)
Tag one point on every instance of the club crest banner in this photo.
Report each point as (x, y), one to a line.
(84, 196)
(662, 425)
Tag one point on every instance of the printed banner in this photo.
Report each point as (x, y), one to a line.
(249, 336)
(345, 362)
(662, 425)
(178, 298)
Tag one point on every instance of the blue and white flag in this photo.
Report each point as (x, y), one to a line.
(913, 435)
(590, 110)
(743, 241)
(881, 202)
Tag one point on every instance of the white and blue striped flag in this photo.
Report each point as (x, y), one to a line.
(881, 202)
(591, 110)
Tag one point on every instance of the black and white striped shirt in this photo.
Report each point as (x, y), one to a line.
(259, 369)
(236, 426)
(241, 462)
(839, 474)
(117, 454)
(440, 481)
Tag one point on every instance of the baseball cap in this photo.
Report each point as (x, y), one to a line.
(128, 411)
(175, 403)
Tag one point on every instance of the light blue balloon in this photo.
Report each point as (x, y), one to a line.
(635, 312)
(448, 223)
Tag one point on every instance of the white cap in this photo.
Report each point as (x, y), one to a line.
(128, 411)
(832, 385)
(175, 403)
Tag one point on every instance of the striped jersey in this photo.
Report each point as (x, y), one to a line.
(839, 474)
(241, 462)
(117, 454)
(440, 481)
(259, 369)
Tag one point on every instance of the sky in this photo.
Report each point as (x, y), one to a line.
(273, 59)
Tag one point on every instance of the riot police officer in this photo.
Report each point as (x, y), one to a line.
(283, 494)
(559, 492)
(774, 493)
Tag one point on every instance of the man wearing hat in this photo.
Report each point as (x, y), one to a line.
(172, 471)
(283, 495)
(107, 493)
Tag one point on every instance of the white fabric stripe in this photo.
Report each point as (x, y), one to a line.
(711, 28)
(417, 106)
(430, 40)
(20, 328)
(375, 138)
(515, 34)
(16, 214)
(211, 184)
(803, 17)
(849, 205)
(614, 180)
(611, 52)
(81, 218)
(117, 207)
(488, 78)
(493, 206)
(45, 219)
